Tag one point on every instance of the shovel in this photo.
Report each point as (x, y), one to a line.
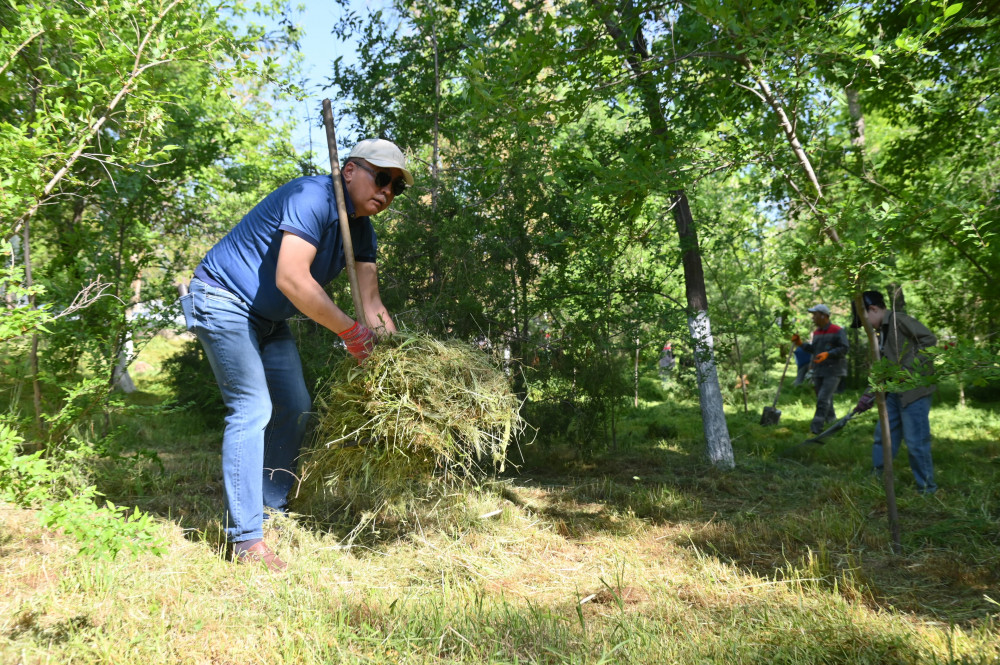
(772, 414)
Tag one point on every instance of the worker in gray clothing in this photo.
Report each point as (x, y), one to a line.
(902, 340)
(829, 349)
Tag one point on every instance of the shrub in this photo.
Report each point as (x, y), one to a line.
(191, 380)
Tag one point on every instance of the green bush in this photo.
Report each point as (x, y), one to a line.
(24, 479)
(191, 380)
(652, 389)
(103, 531)
(989, 391)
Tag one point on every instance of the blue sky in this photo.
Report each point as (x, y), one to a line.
(320, 49)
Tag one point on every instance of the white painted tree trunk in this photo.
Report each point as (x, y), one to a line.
(120, 376)
(718, 445)
(122, 379)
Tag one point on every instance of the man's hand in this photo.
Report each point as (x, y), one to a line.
(865, 403)
(796, 340)
(359, 341)
(820, 357)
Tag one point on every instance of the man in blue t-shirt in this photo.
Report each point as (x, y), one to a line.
(270, 266)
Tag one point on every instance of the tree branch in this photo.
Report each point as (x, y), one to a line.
(20, 48)
(95, 127)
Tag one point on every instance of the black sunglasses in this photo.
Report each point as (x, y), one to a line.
(383, 178)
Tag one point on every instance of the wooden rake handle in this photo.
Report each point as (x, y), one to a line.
(782, 380)
(345, 227)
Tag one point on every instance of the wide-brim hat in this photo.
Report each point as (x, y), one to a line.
(380, 152)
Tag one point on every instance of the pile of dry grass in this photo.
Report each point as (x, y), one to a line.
(418, 417)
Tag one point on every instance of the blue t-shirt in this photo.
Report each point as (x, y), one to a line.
(245, 260)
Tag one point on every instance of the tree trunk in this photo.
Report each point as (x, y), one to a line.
(857, 127)
(36, 386)
(120, 377)
(636, 368)
(719, 447)
(625, 29)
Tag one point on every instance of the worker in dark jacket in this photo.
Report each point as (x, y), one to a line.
(829, 363)
(902, 340)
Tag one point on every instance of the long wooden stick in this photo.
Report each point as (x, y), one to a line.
(875, 353)
(345, 227)
(788, 361)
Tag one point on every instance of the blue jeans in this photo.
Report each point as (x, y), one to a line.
(259, 373)
(912, 424)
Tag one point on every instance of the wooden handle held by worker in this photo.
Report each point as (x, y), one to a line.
(345, 227)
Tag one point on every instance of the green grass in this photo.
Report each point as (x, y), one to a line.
(642, 554)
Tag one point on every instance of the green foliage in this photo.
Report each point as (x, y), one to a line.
(191, 381)
(19, 319)
(525, 242)
(129, 135)
(103, 531)
(652, 389)
(25, 479)
(35, 480)
(135, 143)
(964, 361)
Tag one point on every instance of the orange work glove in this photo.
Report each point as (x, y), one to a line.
(820, 357)
(359, 341)
(796, 340)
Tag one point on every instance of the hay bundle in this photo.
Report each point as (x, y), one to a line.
(418, 413)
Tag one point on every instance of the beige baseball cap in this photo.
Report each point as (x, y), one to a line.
(382, 153)
(821, 308)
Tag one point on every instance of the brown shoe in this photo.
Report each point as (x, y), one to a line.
(259, 552)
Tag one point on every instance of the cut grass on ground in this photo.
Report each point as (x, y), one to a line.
(644, 554)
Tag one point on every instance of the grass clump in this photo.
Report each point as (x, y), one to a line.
(417, 416)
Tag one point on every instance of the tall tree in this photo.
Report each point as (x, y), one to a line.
(110, 116)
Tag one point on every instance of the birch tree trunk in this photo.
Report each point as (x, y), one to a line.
(120, 377)
(623, 25)
(636, 373)
(713, 417)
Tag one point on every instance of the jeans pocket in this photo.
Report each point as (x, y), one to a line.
(187, 307)
(225, 295)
